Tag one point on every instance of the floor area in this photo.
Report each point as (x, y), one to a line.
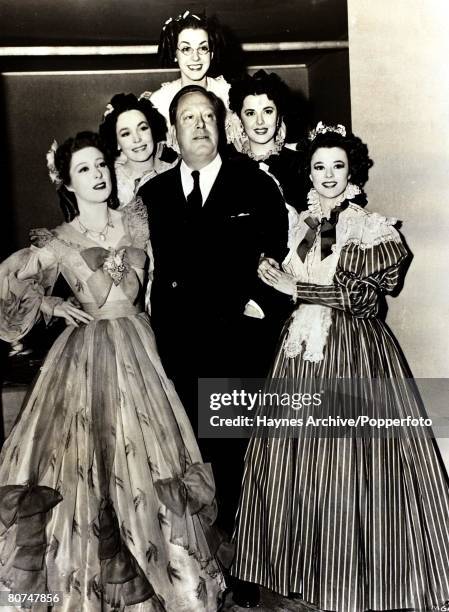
(271, 602)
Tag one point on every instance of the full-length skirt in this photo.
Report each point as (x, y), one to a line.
(350, 523)
(104, 496)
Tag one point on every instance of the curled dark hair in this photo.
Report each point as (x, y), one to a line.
(258, 84)
(358, 157)
(121, 103)
(168, 42)
(63, 157)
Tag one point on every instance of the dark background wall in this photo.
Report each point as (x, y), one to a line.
(32, 22)
(53, 96)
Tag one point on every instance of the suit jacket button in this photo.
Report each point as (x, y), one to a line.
(174, 284)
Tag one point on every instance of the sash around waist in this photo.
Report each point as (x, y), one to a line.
(112, 310)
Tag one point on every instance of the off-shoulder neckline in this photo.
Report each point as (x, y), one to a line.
(124, 240)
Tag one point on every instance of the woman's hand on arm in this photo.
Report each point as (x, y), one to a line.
(72, 314)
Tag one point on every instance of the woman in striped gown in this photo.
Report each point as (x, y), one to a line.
(347, 522)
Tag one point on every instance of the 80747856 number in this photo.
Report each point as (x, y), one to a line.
(8, 598)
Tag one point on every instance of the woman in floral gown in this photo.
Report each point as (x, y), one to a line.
(347, 522)
(103, 493)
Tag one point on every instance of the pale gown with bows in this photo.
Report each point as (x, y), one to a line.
(103, 493)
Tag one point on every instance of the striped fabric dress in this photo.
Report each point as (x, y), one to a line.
(349, 523)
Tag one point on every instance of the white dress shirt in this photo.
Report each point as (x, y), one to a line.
(208, 174)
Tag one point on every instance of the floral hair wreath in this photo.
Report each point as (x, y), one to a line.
(180, 17)
(321, 128)
(53, 173)
(146, 95)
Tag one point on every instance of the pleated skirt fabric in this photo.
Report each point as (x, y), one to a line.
(99, 435)
(349, 523)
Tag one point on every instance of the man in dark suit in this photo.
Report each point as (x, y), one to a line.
(208, 233)
(211, 221)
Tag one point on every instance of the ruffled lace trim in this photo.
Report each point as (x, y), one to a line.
(308, 332)
(59, 246)
(355, 226)
(366, 229)
(137, 218)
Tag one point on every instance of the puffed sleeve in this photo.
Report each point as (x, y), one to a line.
(26, 279)
(364, 273)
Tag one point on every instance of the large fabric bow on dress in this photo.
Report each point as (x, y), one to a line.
(113, 267)
(28, 507)
(194, 492)
(121, 576)
(327, 230)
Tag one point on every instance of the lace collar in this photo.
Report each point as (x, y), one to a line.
(314, 204)
(274, 150)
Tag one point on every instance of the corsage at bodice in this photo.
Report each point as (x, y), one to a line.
(94, 273)
(107, 282)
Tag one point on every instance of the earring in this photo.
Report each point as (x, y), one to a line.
(235, 132)
(279, 139)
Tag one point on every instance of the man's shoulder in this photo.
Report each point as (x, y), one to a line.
(245, 172)
(240, 164)
(160, 182)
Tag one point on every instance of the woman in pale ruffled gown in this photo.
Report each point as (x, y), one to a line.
(103, 493)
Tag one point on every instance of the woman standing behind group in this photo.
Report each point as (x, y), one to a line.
(192, 42)
(347, 523)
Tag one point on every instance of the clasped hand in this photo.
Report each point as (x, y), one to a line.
(270, 273)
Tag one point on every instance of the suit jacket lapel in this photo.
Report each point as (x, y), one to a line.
(178, 193)
(218, 188)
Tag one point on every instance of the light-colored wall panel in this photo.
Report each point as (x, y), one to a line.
(400, 106)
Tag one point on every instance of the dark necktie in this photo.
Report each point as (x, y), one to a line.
(195, 199)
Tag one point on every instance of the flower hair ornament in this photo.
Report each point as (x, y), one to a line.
(52, 171)
(180, 17)
(321, 128)
(108, 110)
